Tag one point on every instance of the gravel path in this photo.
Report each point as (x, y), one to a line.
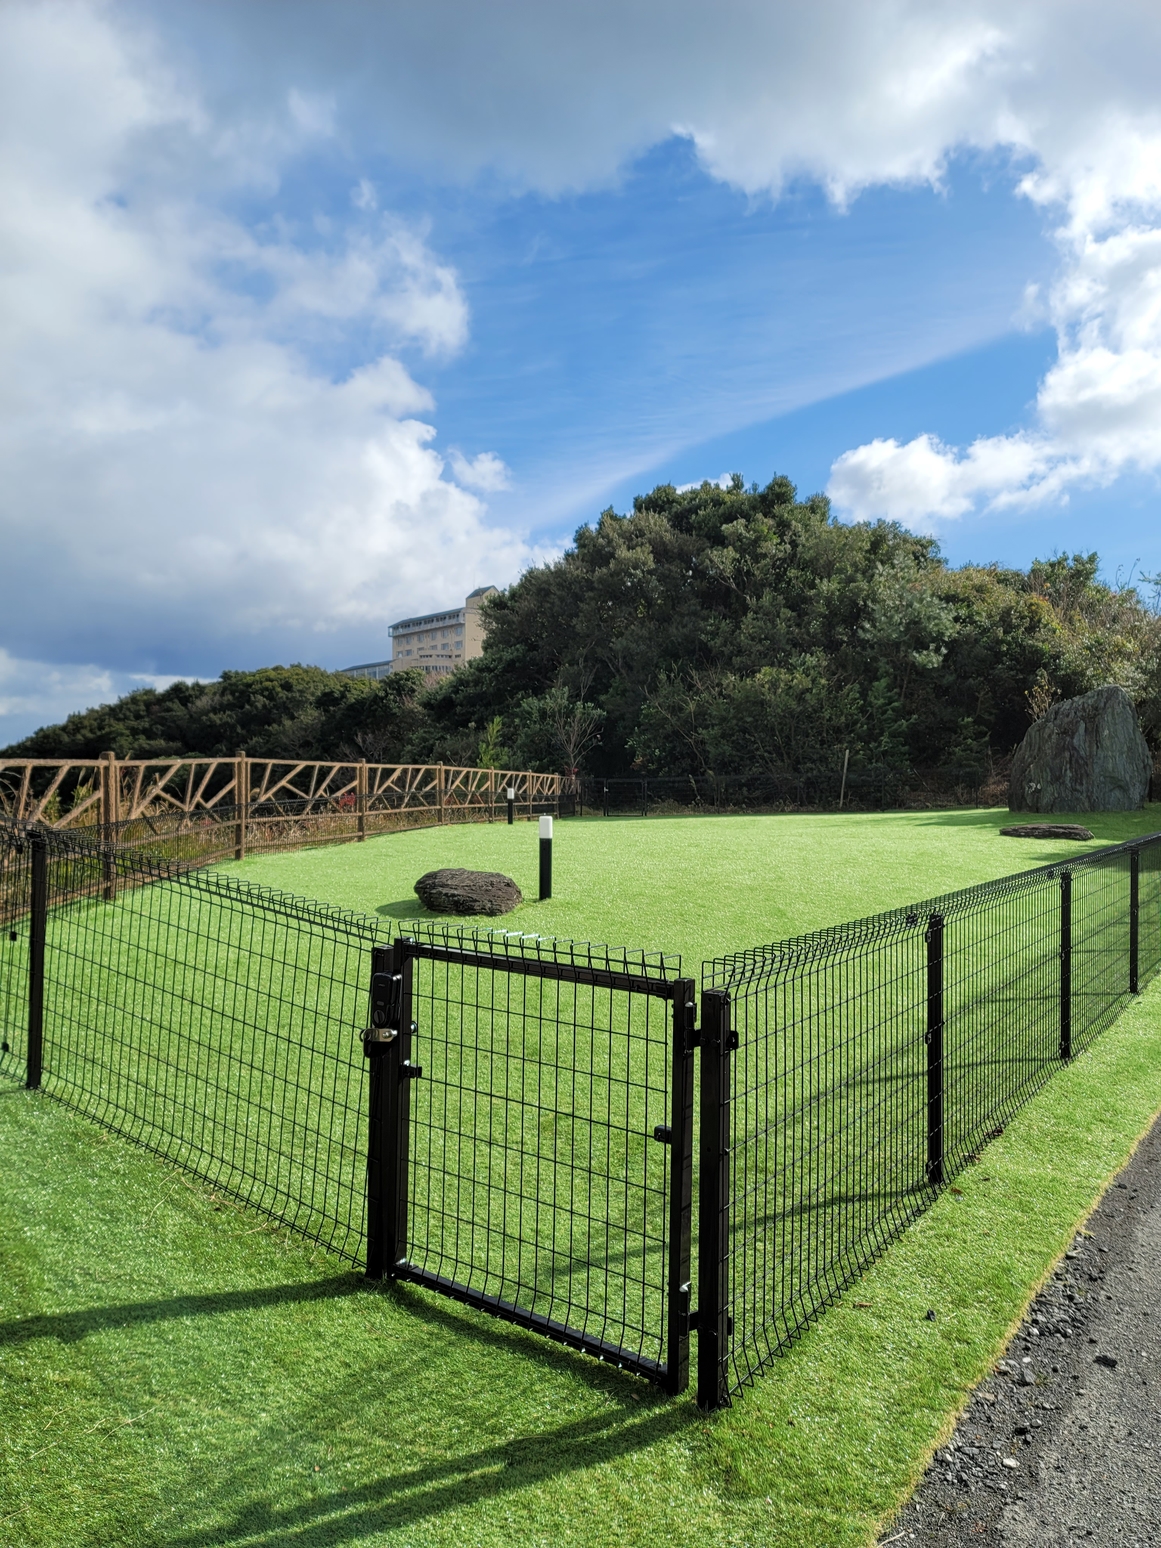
(1062, 1444)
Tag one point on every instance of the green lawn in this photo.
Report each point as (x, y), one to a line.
(173, 1371)
(694, 885)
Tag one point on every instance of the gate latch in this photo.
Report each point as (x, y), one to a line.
(386, 1004)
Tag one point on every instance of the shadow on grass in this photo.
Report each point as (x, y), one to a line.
(457, 1483)
(406, 908)
(68, 1327)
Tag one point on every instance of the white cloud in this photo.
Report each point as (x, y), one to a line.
(178, 473)
(178, 466)
(849, 93)
(1098, 409)
(723, 481)
(485, 472)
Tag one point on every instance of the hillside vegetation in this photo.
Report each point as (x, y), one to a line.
(707, 631)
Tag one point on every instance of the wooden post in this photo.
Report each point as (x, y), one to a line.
(843, 790)
(241, 802)
(111, 813)
(361, 796)
(491, 795)
(439, 789)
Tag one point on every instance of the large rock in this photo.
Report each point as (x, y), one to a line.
(454, 891)
(1085, 755)
(1048, 830)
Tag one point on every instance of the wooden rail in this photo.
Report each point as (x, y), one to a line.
(133, 799)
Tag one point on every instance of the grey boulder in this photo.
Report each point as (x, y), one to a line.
(455, 891)
(1048, 830)
(1085, 755)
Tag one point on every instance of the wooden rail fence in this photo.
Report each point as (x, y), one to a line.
(211, 807)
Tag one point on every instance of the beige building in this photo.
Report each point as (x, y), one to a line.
(437, 643)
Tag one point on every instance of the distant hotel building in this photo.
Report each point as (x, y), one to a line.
(437, 643)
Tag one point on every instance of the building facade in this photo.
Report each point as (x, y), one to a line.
(436, 643)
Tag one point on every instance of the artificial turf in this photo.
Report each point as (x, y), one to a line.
(173, 1371)
(699, 886)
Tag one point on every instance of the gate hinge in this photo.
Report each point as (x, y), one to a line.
(691, 1324)
(692, 1030)
(687, 1320)
(662, 1132)
(731, 1040)
(409, 1071)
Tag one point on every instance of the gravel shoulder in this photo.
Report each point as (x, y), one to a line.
(1062, 1443)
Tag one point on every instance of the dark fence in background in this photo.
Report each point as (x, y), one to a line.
(510, 1119)
(831, 787)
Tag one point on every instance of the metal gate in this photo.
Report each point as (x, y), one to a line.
(530, 1145)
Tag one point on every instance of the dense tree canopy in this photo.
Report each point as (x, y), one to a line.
(708, 630)
(277, 712)
(742, 630)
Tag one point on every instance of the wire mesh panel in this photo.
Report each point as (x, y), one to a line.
(15, 892)
(215, 1022)
(860, 1068)
(543, 1141)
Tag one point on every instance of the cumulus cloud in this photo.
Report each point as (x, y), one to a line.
(180, 464)
(181, 473)
(847, 93)
(485, 472)
(1098, 409)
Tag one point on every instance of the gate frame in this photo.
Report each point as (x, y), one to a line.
(387, 1044)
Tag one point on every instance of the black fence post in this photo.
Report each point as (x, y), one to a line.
(934, 1041)
(680, 1186)
(713, 1269)
(1134, 921)
(605, 811)
(387, 1044)
(545, 858)
(1066, 964)
(38, 928)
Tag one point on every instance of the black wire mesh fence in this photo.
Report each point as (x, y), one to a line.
(525, 1146)
(825, 786)
(509, 1119)
(848, 1075)
(540, 1098)
(212, 1021)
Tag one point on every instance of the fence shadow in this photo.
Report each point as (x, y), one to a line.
(70, 1327)
(414, 1494)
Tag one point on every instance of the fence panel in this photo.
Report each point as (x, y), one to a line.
(214, 1022)
(15, 901)
(546, 1136)
(867, 1064)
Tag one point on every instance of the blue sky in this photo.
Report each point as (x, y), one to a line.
(306, 331)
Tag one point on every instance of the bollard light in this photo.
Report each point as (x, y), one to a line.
(511, 805)
(545, 858)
